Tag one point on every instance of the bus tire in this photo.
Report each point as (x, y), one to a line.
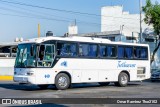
(122, 80)
(42, 86)
(104, 83)
(62, 81)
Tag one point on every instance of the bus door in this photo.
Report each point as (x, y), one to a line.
(45, 60)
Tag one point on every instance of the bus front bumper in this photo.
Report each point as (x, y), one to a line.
(24, 79)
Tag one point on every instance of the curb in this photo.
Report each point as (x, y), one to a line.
(6, 78)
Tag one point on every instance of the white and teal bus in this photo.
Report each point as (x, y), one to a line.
(63, 61)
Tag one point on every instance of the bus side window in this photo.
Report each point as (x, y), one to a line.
(92, 50)
(66, 49)
(143, 53)
(103, 51)
(83, 49)
(120, 52)
(137, 52)
(140, 53)
(59, 46)
(73, 50)
(63, 50)
(111, 51)
(128, 52)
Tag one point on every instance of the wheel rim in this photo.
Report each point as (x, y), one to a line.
(124, 79)
(62, 81)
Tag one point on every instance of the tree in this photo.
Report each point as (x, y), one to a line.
(152, 17)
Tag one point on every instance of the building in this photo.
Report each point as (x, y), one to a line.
(114, 18)
(72, 29)
(118, 25)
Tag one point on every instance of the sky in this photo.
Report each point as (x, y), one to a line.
(20, 18)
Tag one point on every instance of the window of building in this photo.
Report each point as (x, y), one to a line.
(130, 38)
(149, 40)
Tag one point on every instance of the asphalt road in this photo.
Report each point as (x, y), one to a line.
(144, 89)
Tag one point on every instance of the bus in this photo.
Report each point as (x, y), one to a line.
(63, 61)
(7, 60)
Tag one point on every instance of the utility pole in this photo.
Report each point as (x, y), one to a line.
(140, 7)
(39, 30)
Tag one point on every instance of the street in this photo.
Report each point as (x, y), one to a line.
(144, 89)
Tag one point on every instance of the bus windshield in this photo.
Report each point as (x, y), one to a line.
(32, 55)
(26, 55)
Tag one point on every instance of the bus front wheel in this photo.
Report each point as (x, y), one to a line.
(122, 80)
(62, 81)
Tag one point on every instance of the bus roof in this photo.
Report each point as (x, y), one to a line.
(9, 44)
(79, 39)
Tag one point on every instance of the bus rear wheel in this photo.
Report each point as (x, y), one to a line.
(104, 83)
(122, 80)
(62, 81)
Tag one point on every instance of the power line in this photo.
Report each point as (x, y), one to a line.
(44, 17)
(33, 17)
(68, 11)
(60, 10)
(53, 19)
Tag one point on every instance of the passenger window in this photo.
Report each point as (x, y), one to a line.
(83, 49)
(121, 52)
(88, 50)
(111, 51)
(128, 52)
(67, 49)
(92, 50)
(144, 53)
(140, 53)
(102, 51)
